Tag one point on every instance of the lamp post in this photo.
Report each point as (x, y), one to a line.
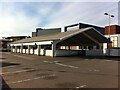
(109, 32)
(109, 16)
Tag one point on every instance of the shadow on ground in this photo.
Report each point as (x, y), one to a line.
(116, 58)
(5, 64)
(4, 84)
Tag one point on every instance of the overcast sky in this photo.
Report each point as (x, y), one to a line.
(22, 18)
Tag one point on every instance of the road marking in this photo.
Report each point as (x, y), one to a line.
(23, 57)
(108, 60)
(66, 65)
(17, 71)
(83, 86)
(95, 70)
(20, 56)
(61, 64)
(36, 78)
(10, 66)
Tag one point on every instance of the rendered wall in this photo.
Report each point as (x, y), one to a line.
(67, 52)
(94, 52)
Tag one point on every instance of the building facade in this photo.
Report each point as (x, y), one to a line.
(112, 32)
(52, 44)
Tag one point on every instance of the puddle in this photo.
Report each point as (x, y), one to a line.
(5, 64)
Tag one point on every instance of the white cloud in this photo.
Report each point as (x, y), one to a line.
(14, 21)
(59, 0)
(92, 13)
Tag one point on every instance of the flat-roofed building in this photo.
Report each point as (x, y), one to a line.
(113, 32)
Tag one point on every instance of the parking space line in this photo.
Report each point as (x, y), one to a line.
(10, 66)
(36, 78)
(70, 66)
(66, 65)
(20, 56)
(83, 86)
(23, 57)
(17, 71)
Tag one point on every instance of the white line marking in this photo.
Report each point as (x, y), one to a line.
(61, 64)
(23, 57)
(17, 71)
(20, 56)
(83, 86)
(26, 80)
(108, 60)
(66, 65)
(10, 66)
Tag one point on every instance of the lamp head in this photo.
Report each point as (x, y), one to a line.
(105, 13)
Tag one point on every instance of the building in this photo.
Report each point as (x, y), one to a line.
(80, 26)
(3, 44)
(15, 38)
(40, 31)
(51, 44)
(83, 25)
(112, 32)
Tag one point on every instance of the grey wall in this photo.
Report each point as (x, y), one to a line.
(33, 34)
(40, 31)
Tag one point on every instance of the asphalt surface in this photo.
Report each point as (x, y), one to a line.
(32, 71)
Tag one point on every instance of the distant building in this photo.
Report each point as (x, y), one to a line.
(40, 31)
(6, 40)
(15, 38)
(114, 34)
(83, 25)
(4, 43)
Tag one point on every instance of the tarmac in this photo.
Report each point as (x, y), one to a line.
(35, 72)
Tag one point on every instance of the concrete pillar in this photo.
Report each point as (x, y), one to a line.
(33, 50)
(39, 50)
(82, 47)
(16, 49)
(68, 47)
(25, 50)
(28, 49)
(21, 48)
(87, 47)
(94, 47)
(53, 49)
(100, 46)
(11, 48)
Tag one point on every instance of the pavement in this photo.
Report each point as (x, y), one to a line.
(32, 71)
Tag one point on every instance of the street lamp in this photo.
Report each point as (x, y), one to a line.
(109, 32)
(109, 15)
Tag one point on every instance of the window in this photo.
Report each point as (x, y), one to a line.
(114, 41)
